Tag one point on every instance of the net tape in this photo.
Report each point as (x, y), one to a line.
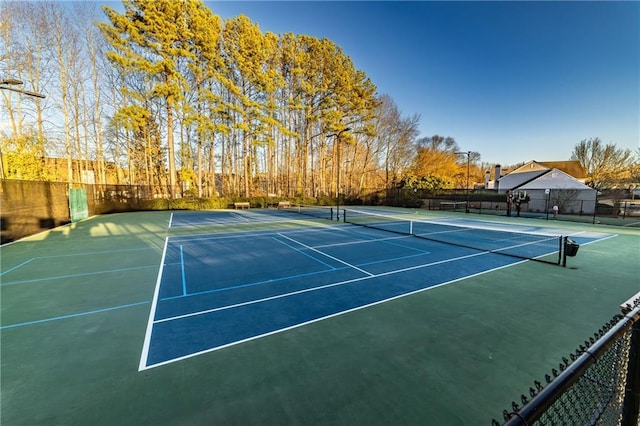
(539, 247)
(314, 211)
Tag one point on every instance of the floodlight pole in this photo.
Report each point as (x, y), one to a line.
(338, 141)
(468, 154)
(7, 84)
(12, 81)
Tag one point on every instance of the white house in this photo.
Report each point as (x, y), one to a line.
(548, 186)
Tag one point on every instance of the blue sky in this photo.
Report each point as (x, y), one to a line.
(514, 81)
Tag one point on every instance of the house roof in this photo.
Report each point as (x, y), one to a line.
(572, 168)
(531, 166)
(517, 178)
(572, 176)
(554, 179)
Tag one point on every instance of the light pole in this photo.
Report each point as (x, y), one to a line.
(8, 83)
(338, 165)
(11, 81)
(468, 154)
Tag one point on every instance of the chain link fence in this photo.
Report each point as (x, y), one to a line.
(617, 208)
(30, 207)
(599, 384)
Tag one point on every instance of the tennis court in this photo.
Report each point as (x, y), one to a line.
(265, 316)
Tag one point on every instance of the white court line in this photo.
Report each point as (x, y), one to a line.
(373, 240)
(593, 241)
(322, 287)
(145, 351)
(302, 324)
(239, 216)
(326, 255)
(195, 239)
(152, 312)
(248, 234)
(170, 220)
(466, 224)
(369, 276)
(315, 259)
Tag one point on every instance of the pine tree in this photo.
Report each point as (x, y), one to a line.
(151, 38)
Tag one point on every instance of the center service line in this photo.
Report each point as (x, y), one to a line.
(304, 254)
(325, 286)
(184, 278)
(325, 254)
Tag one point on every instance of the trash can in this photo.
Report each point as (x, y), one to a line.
(571, 248)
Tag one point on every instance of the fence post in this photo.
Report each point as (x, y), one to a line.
(547, 203)
(631, 404)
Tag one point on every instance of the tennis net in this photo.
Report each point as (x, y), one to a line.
(322, 212)
(540, 247)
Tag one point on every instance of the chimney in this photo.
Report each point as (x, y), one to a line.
(487, 178)
(497, 177)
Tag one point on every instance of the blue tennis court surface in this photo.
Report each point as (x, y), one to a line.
(218, 290)
(229, 217)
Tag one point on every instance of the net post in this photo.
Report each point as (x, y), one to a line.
(331, 213)
(560, 251)
(563, 250)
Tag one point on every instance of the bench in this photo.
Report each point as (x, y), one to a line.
(447, 205)
(284, 204)
(242, 205)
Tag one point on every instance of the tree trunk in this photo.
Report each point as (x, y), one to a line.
(170, 148)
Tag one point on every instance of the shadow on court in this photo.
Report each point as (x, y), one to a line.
(78, 305)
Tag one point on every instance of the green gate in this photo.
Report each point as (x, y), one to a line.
(78, 204)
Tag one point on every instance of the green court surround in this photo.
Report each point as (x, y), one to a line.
(457, 354)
